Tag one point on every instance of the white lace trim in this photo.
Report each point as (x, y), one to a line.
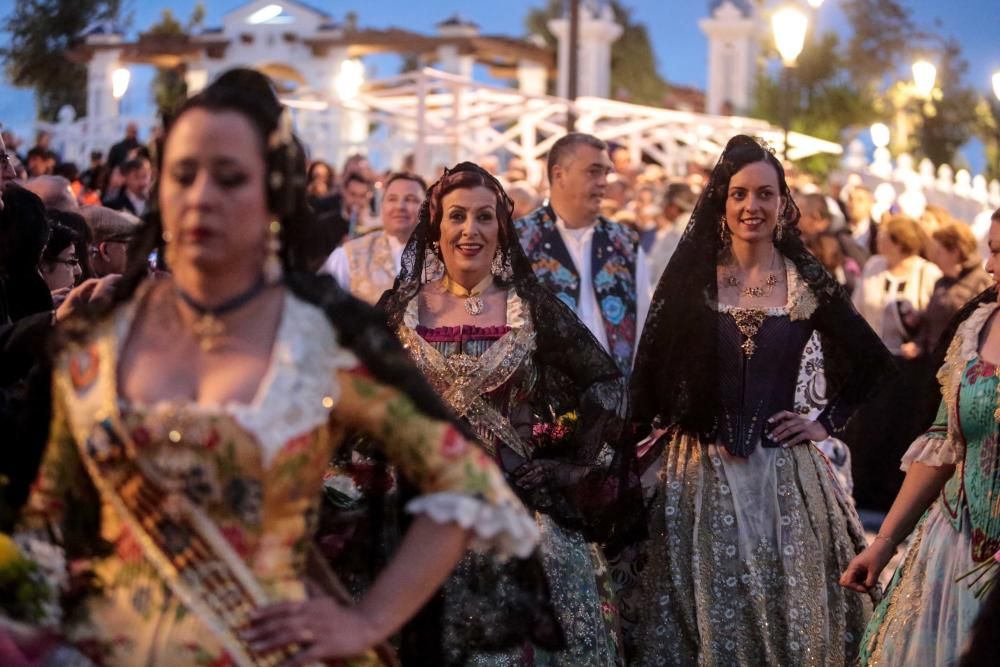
(301, 386)
(797, 292)
(505, 529)
(971, 327)
(932, 450)
(516, 312)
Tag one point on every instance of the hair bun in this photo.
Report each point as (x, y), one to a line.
(252, 85)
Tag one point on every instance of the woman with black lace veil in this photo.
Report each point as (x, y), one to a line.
(194, 415)
(751, 353)
(537, 389)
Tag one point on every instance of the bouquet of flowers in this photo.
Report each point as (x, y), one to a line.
(984, 576)
(549, 435)
(25, 593)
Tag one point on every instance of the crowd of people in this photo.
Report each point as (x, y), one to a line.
(257, 411)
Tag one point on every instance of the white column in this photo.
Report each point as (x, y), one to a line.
(598, 31)
(733, 48)
(532, 79)
(100, 102)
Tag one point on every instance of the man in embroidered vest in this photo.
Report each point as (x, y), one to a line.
(594, 265)
(367, 266)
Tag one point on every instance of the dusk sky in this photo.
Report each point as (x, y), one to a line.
(673, 26)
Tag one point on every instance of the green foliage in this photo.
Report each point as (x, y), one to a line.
(633, 63)
(987, 128)
(882, 39)
(169, 86)
(952, 118)
(40, 32)
(823, 99)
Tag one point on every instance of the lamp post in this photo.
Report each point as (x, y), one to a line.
(573, 65)
(789, 25)
(996, 84)
(925, 78)
(119, 84)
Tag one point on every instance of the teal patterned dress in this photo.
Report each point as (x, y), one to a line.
(926, 616)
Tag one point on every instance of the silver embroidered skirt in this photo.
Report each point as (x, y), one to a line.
(743, 559)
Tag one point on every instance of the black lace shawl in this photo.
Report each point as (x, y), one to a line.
(574, 373)
(676, 370)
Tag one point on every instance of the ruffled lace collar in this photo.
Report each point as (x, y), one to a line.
(298, 389)
(801, 302)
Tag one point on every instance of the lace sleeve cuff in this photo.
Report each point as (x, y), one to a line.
(932, 449)
(507, 529)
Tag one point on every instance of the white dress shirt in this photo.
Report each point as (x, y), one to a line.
(579, 242)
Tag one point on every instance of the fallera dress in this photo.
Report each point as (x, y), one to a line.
(926, 615)
(189, 517)
(747, 539)
(487, 374)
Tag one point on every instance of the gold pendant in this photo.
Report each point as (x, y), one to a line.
(208, 330)
(748, 322)
(474, 305)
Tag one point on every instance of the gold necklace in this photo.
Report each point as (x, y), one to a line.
(754, 291)
(473, 301)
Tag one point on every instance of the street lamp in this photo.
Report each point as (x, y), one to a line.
(880, 135)
(815, 4)
(119, 84)
(789, 24)
(996, 84)
(925, 78)
(350, 79)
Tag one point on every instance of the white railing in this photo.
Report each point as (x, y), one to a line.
(912, 187)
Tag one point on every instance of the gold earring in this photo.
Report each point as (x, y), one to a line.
(272, 263)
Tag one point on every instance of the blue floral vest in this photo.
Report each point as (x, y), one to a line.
(615, 251)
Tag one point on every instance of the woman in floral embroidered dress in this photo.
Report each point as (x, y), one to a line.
(521, 370)
(749, 529)
(194, 419)
(949, 497)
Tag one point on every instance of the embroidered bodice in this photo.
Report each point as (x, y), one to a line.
(760, 354)
(965, 433)
(232, 488)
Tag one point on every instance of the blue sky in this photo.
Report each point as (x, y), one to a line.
(673, 26)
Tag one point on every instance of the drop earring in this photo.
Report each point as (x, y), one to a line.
(272, 262)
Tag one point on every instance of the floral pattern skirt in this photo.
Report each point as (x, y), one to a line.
(580, 586)
(743, 561)
(926, 616)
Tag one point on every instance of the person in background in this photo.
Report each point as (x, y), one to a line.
(952, 247)
(678, 202)
(59, 265)
(321, 180)
(594, 265)
(54, 191)
(119, 152)
(862, 226)
(38, 162)
(94, 177)
(112, 233)
(134, 195)
(815, 223)
(24, 229)
(368, 265)
(934, 218)
(524, 196)
(894, 291)
(81, 241)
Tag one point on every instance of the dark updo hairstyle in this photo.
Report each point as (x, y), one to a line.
(24, 229)
(250, 94)
(741, 152)
(467, 180)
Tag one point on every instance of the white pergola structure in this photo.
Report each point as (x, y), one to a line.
(442, 118)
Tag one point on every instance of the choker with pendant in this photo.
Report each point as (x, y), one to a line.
(209, 329)
(473, 301)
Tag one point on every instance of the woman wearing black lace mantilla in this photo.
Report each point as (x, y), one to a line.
(749, 530)
(539, 392)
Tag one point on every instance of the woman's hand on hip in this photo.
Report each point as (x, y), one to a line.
(321, 628)
(789, 428)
